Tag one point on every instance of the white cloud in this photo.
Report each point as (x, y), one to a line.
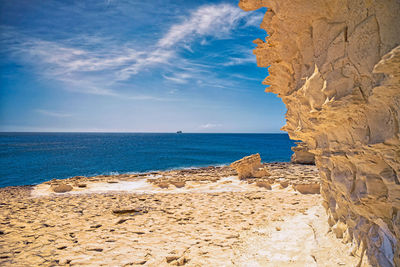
(154, 58)
(101, 68)
(214, 20)
(210, 126)
(243, 55)
(180, 78)
(210, 20)
(233, 61)
(188, 48)
(53, 113)
(244, 77)
(255, 20)
(63, 59)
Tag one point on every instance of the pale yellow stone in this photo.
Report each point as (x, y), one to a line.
(336, 66)
(250, 167)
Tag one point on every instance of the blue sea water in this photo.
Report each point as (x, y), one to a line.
(32, 158)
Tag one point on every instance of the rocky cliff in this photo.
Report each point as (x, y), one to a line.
(302, 155)
(336, 66)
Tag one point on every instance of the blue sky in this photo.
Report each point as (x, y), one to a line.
(132, 66)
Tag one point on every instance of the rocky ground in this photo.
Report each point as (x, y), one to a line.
(196, 217)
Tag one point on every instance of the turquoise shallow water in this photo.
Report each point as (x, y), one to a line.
(31, 158)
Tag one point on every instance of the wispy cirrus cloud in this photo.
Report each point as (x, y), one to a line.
(233, 61)
(55, 114)
(255, 20)
(150, 59)
(99, 66)
(240, 56)
(180, 77)
(211, 20)
(215, 21)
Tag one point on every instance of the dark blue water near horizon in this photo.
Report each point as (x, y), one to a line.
(32, 158)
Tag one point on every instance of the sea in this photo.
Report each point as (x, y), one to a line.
(33, 158)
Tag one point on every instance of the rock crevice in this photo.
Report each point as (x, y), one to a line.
(336, 66)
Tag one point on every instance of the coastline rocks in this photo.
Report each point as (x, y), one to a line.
(203, 224)
(61, 188)
(261, 172)
(178, 184)
(284, 184)
(250, 167)
(335, 64)
(307, 188)
(136, 210)
(163, 185)
(277, 175)
(264, 184)
(301, 155)
(179, 178)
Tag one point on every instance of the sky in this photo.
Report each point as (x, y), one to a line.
(133, 66)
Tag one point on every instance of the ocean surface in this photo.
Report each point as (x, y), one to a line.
(32, 158)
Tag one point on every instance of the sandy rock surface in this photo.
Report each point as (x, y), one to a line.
(175, 226)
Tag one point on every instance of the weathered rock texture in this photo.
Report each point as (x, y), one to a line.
(302, 154)
(336, 66)
(249, 167)
(62, 188)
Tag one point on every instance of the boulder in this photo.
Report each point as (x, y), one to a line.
(284, 184)
(264, 184)
(61, 188)
(250, 167)
(261, 172)
(178, 184)
(163, 185)
(307, 188)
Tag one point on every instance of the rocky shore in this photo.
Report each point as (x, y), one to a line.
(193, 217)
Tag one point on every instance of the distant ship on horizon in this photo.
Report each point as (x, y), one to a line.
(179, 132)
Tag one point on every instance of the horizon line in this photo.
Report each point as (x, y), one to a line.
(143, 132)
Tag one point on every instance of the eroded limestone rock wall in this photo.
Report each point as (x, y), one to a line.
(301, 154)
(336, 66)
